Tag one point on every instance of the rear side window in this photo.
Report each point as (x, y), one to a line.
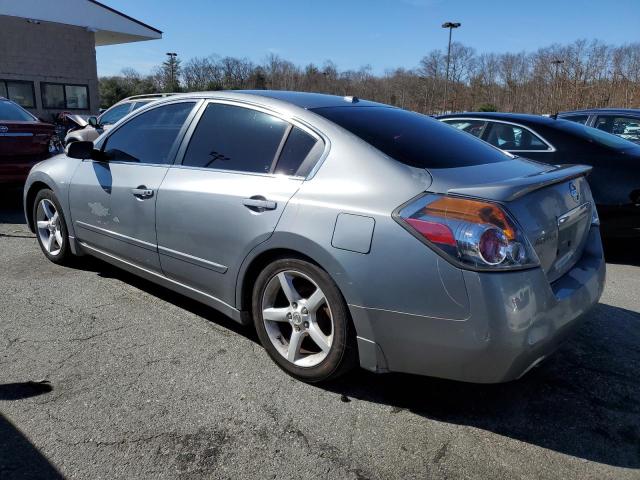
(577, 118)
(11, 112)
(235, 138)
(474, 127)
(514, 138)
(149, 137)
(413, 139)
(296, 149)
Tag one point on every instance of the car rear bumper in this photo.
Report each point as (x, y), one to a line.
(516, 320)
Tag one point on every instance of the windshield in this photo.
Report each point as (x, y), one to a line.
(599, 137)
(12, 112)
(412, 138)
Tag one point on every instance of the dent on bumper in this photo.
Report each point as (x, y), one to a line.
(516, 319)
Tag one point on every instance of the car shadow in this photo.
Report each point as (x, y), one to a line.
(19, 458)
(11, 205)
(583, 401)
(622, 251)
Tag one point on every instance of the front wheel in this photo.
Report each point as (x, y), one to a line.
(51, 228)
(302, 320)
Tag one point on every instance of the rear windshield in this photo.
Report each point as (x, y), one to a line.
(413, 139)
(12, 112)
(599, 137)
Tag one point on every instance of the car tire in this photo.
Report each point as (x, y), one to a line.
(313, 310)
(51, 228)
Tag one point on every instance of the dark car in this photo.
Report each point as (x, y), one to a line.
(615, 179)
(24, 141)
(623, 122)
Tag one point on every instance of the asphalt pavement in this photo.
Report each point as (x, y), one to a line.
(104, 375)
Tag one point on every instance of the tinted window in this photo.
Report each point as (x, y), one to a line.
(9, 111)
(596, 136)
(114, 114)
(474, 127)
(625, 127)
(149, 137)
(512, 137)
(577, 118)
(235, 138)
(413, 139)
(296, 149)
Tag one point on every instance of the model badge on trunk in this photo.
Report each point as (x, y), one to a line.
(574, 191)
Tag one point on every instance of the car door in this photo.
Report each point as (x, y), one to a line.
(239, 168)
(113, 201)
(519, 140)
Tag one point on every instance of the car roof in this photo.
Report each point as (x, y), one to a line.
(309, 100)
(507, 117)
(632, 111)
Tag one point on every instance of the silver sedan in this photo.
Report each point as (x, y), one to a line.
(345, 231)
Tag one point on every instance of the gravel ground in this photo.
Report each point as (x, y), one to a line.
(103, 375)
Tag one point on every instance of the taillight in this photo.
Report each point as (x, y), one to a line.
(473, 233)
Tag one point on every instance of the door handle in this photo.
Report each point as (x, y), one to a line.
(142, 192)
(258, 203)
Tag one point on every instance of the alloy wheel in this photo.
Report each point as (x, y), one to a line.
(49, 229)
(297, 318)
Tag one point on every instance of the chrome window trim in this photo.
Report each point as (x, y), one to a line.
(291, 120)
(550, 146)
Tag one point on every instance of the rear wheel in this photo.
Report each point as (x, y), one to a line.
(302, 320)
(51, 228)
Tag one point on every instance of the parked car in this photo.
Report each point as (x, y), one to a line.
(624, 122)
(93, 127)
(346, 231)
(24, 141)
(615, 179)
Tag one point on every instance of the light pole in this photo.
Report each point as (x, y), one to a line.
(554, 92)
(450, 26)
(172, 57)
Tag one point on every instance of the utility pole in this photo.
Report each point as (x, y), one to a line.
(172, 65)
(557, 62)
(450, 26)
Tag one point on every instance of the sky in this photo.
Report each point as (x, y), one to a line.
(385, 34)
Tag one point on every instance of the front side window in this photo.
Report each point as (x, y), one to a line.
(413, 139)
(149, 137)
(114, 114)
(235, 138)
(625, 127)
(513, 137)
(18, 92)
(474, 127)
(68, 97)
(12, 112)
(597, 136)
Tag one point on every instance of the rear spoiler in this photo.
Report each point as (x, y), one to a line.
(508, 190)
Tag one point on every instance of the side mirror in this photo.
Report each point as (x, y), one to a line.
(82, 150)
(93, 121)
